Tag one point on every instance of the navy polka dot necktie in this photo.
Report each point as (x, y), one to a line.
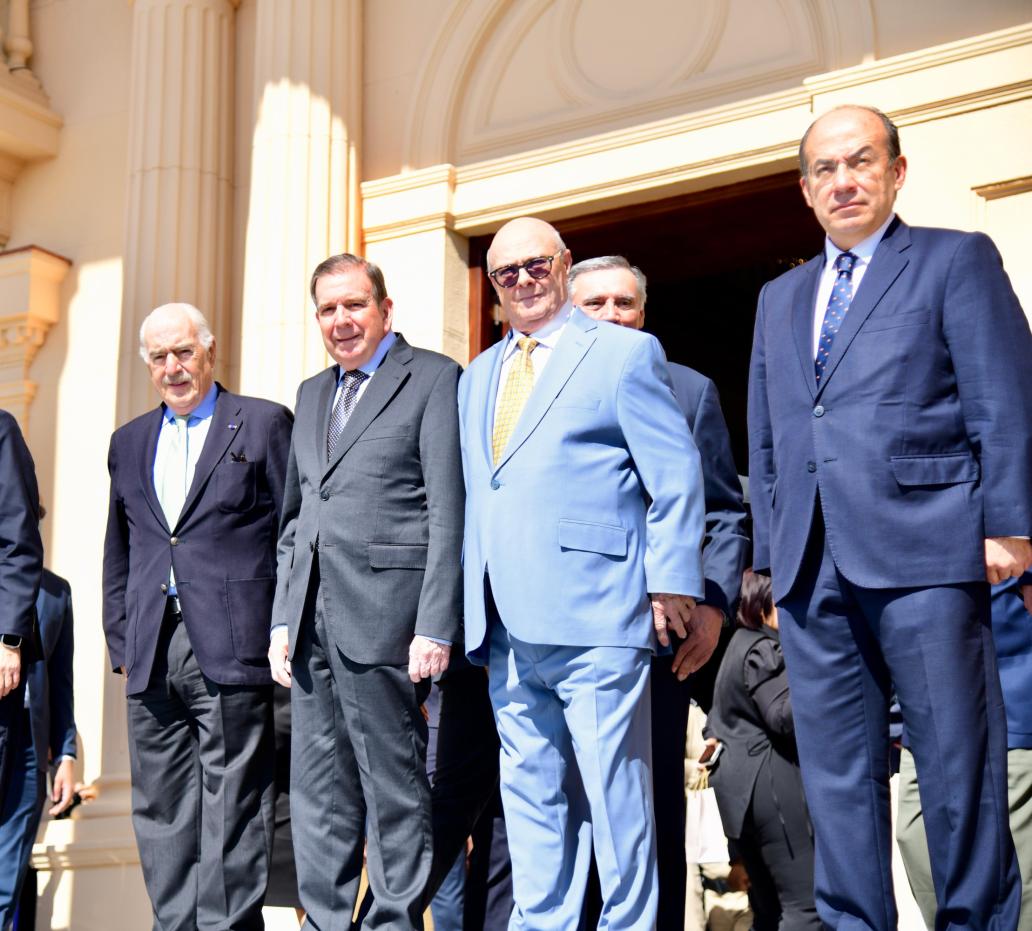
(838, 304)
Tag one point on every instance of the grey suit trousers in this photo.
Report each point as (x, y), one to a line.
(357, 771)
(201, 761)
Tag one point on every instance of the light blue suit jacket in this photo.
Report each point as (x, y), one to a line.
(596, 501)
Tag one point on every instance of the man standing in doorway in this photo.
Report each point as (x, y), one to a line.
(189, 576)
(890, 421)
(610, 288)
(584, 525)
(368, 600)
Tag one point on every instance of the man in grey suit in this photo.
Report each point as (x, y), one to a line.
(367, 599)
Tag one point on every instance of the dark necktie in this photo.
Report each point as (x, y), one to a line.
(838, 304)
(342, 409)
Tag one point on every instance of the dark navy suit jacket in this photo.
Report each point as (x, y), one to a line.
(21, 550)
(920, 435)
(51, 704)
(223, 545)
(726, 545)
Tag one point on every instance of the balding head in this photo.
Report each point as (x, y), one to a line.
(529, 302)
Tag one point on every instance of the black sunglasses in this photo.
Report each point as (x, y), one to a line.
(508, 275)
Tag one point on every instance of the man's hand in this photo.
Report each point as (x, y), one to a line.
(426, 658)
(1026, 594)
(10, 669)
(671, 612)
(64, 786)
(278, 657)
(703, 635)
(1006, 558)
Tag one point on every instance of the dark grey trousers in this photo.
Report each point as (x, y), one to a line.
(201, 757)
(357, 771)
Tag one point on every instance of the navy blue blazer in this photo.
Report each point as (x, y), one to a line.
(51, 703)
(725, 552)
(21, 550)
(223, 546)
(920, 435)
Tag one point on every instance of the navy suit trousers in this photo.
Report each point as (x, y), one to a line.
(846, 647)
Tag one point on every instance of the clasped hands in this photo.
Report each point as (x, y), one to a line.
(697, 624)
(426, 658)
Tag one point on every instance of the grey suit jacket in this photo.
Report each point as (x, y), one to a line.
(385, 514)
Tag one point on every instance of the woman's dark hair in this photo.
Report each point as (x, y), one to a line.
(756, 601)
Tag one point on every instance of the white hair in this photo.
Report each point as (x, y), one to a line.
(199, 321)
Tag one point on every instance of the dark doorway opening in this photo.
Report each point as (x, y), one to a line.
(706, 256)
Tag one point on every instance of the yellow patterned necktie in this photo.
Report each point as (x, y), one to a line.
(518, 386)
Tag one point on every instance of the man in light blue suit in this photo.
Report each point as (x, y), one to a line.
(584, 525)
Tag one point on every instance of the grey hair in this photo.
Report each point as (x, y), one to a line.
(199, 321)
(891, 134)
(604, 262)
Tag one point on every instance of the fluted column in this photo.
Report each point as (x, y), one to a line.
(178, 223)
(304, 181)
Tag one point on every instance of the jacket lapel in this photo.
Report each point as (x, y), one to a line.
(325, 392)
(802, 318)
(151, 428)
(384, 384)
(226, 424)
(494, 374)
(886, 265)
(573, 344)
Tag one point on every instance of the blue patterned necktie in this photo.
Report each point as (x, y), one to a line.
(838, 304)
(346, 402)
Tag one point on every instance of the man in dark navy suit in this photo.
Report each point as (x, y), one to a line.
(890, 421)
(21, 562)
(46, 741)
(189, 577)
(610, 288)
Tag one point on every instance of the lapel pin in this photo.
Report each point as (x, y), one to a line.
(232, 426)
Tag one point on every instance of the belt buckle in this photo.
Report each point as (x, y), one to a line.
(174, 606)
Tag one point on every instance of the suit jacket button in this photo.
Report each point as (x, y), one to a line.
(325, 495)
(164, 589)
(495, 484)
(311, 547)
(174, 541)
(811, 466)
(818, 411)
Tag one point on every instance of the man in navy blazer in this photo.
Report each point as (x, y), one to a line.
(610, 288)
(890, 422)
(584, 526)
(21, 562)
(47, 740)
(189, 578)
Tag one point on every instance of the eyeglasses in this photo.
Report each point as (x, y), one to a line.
(541, 267)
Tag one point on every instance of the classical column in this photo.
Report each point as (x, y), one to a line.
(178, 223)
(304, 182)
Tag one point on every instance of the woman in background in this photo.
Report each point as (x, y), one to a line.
(757, 781)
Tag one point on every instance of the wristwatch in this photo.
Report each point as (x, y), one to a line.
(11, 641)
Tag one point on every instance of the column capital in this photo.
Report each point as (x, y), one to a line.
(30, 283)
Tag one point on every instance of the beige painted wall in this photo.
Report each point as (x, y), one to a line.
(473, 111)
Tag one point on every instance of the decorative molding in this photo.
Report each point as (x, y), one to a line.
(735, 141)
(30, 283)
(1000, 189)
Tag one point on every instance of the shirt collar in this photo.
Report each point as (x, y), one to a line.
(864, 251)
(389, 339)
(202, 411)
(546, 336)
